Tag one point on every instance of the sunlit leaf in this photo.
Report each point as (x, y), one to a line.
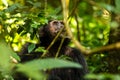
(5, 2)
(15, 56)
(5, 53)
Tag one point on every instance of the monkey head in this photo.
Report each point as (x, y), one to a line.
(52, 29)
(48, 32)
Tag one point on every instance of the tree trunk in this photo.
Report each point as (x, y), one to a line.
(113, 58)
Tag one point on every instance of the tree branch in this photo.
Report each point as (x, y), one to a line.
(52, 42)
(105, 48)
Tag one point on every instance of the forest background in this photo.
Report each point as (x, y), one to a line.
(95, 25)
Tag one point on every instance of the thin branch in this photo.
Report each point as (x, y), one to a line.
(52, 42)
(66, 21)
(74, 8)
(77, 44)
(105, 48)
(78, 28)
(60, 46)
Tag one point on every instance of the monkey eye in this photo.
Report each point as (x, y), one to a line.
(62, 22)
(55, 22)
(58, 25)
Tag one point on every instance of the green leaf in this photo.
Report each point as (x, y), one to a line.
(40, 49)
(5, 62)
(4, 54)
(15, 56)
(12, 7)
(43, 64)
(31, 47)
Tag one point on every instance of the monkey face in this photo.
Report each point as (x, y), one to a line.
(52, 29)
(55, 26)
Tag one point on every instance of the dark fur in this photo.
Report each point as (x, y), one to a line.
(46, 34)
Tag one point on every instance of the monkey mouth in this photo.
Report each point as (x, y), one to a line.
(63, 34)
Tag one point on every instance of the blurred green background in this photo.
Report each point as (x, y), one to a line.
(94, 23)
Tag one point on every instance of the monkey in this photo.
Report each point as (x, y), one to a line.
(47, 34)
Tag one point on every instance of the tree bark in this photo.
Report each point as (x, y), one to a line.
(113, 58)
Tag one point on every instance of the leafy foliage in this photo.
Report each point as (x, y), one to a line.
(18, 25)
(89, 22)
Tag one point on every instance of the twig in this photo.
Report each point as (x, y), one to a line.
(74, 8)
(77, 44)
(65, 15)
(58, 51)
(78, 28)
(52, 42)
(105, 48)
